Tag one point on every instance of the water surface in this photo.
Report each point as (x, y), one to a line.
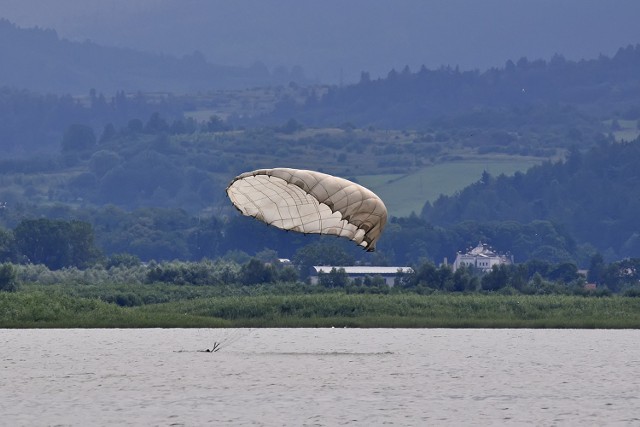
(319, 377)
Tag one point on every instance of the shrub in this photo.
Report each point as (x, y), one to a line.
(8, 278)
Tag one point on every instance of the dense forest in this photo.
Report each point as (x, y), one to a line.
(32, 124)
(594, 196)
(415, 99)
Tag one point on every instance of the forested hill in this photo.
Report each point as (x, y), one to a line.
(415, 99)
(595, 196)
(38, 60)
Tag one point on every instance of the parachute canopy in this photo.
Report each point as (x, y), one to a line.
(310, 202)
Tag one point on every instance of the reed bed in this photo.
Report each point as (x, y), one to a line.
(41, 309)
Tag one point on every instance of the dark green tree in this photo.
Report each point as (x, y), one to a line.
(323, 252)
(597, 268)
(205, 239)
(426, 275)
(464, 280)
(564, 272)
(135, 126)
(496, 279)
(336, 278)
(8, 278)
(56, 243)
(103, 161)
(78, 137)
(216, 124)
(108, 133)
(156, 124)
(255, 272)
(7, 247)
(291, 126)
(122, 260)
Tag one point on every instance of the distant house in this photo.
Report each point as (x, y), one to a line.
(482, 258)
(389, 274)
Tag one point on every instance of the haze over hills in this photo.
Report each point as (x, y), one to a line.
(39, 60)
(334, 40)
(405, 99)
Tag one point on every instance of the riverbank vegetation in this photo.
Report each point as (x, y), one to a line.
(226, 293)
(336, 309)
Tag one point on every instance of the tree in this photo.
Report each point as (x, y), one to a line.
(597, 269)
(108, 133)
(336, 278)
(287, 273)
(321, 253)
(135, 126)
(78, 137)
(103, 161)
(564, 272)
(427, 274)
(496, 279)
(291, 126)
(622, 273)
(56, 243)
(255, 272)
(156, 124)
(7, 249)
(464, 280)
(216, 124)
(8, 278)
(122, 260)
(205, 239)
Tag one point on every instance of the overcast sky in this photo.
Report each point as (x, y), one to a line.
(330, 38)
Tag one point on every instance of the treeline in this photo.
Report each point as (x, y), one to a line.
(127, 282)
(415, 99)
(593, 196)
(167, 234)
(33, 124)
(38, 59)
(54, 251)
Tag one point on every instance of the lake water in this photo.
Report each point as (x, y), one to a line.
(319, 377)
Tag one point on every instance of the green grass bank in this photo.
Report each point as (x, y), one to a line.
(55, 310)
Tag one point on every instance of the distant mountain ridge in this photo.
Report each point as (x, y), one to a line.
(404, 98)
(38, 60)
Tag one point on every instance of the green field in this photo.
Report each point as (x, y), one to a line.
(338, 309)
(404, 194)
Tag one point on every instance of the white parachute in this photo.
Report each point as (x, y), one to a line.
(310, 202)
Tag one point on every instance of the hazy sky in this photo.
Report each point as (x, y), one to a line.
(330, 37)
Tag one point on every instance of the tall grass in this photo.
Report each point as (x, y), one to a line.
(39, 309)
(42, 310)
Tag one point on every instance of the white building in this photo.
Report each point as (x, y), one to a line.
(389, 274)
(482, 258)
